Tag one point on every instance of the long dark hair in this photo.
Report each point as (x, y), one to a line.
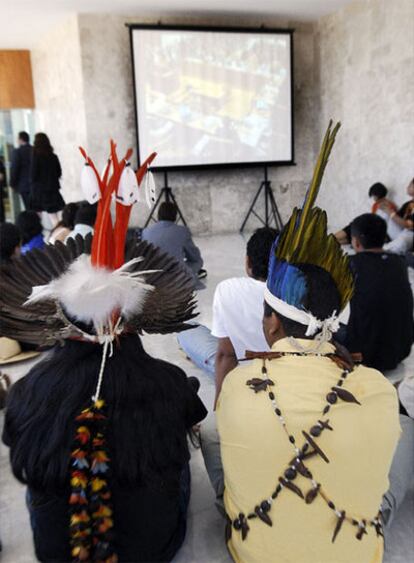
(146, 400)
(42, 144)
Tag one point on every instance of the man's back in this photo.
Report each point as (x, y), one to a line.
(174, 240)
(381, 319)
(238, 312)
(21, 168)
(256, 451)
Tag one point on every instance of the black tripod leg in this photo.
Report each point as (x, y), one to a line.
(181, 216)
(278, 219)
(151, 215)
(252, 206)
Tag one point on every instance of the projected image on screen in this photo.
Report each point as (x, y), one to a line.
(213, 97)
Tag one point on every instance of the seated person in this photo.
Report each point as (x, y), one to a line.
(98, 430)
(237, 315)
(9, 242)
(299, 426)
(65, 225)
(380, 324)
(31, 231)
(175, 239)
(378, 193)
(404, 220)
(85, 218)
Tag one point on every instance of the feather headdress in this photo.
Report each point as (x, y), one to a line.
(304, 240)
(51, 294)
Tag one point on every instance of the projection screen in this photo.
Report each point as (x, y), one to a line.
(213, 97)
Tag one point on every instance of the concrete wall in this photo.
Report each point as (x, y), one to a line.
(84, 95)
(60, 109)
(211, 201)
(366, 65)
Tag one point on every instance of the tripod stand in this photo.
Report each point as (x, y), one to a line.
(271, 209)
(168, 195)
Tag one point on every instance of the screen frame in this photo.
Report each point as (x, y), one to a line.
(226, 165)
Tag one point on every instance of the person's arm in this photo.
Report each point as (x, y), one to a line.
(58, 168)
(344, 235)
(15, 169)
(396, 217)
(192, 252)
(226, 360)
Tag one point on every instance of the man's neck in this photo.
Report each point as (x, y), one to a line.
(375, 250)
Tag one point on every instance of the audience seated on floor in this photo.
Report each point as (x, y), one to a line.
(380, 325)
(65, 225)
(300, 426)
(237, 315)
(10, 242)
(31, 231)
(85, 218)
(378, 193)
(404, 219)
(175, 240)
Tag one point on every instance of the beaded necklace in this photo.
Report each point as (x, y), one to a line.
(309, 449)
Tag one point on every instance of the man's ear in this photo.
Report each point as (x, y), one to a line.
(248, 266)
(274, 325)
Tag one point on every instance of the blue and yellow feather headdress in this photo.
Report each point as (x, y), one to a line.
(304, 240)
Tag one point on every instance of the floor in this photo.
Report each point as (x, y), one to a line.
(224, 257)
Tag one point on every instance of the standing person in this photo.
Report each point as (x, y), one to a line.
(175, 239)
(45, 175)
(381, 324)
(3, 184)
(20, 177)
(31, 231)
(300, 426)
(98, 430)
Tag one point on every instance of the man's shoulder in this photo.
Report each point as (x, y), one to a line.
(370, 381)
(235, 287)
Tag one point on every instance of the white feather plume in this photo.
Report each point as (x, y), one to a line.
(89, 184)
(128, 187)
(150, 194)
(91, 294)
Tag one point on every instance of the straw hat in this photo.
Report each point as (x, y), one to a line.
(11, 351)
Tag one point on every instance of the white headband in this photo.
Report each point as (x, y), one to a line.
(291, 312)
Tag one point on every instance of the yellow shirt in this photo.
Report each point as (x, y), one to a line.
(256, 451)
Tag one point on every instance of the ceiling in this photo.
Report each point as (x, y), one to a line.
(23, 22)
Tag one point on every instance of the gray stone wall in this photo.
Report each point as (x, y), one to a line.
(365, 57)
(212, 202)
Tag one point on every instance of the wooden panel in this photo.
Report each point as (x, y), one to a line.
(16, 84)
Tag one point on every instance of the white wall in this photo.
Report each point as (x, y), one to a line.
(366, 65)
(60, 108)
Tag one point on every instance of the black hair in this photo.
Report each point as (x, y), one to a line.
(322, 299)
(167, 211)
(68, 217)
(9, 241)
(86, 214)
(29, 225)
(258, 251)
(146, 398)
(377, 190)
(370, 230)
(23, 136)
(42, 144)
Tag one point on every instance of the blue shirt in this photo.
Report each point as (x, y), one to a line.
(35, 242)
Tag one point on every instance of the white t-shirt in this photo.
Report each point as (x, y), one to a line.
(238, 314)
